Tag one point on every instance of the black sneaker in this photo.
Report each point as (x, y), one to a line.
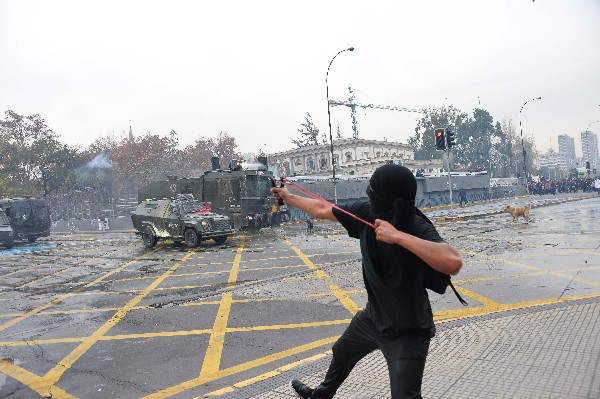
(301, 389)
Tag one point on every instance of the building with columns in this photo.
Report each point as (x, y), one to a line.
(352, 157)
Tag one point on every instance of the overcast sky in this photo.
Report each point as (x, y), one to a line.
(255, 68)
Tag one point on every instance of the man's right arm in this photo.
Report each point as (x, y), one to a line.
(313, 207)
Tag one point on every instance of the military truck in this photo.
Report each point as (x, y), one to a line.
(243, 193)
(182, 218)
(6, 232)
(29, 217)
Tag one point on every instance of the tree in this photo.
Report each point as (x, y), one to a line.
(476, 137)
(309, 133)
(514, 150)
(23, 138)
(52, 164)
(481, 143)
(447, 117)
(143, 160)
(197, 158)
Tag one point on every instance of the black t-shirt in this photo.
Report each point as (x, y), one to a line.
(397, 299)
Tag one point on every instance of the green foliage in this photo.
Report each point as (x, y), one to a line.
(34, 162)
(481, 143)
(309, 133)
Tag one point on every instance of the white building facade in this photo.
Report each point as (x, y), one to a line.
(352, 157)
(554, 160)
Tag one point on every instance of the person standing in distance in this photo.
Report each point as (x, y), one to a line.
(397, 318)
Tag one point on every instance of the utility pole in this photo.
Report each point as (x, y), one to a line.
(450, 180)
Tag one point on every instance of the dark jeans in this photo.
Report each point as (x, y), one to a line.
(405, 356)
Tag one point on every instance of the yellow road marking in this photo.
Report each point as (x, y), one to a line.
(25, 377)
(344, 299)
(538, 269)
(212, 358)
(57, 371)
(61, 298)
(440, 317)
(465, 313)
(37, 266)
(42, 278)
(182, 333)
(193, 383)
(267, 375)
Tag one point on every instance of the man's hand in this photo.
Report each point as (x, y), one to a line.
(439, 255)
(385, 231)
(280, 193)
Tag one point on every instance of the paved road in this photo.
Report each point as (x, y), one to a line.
(99, 316)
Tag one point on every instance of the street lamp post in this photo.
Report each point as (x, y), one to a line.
(588, 128)
(523, 143)
(329, 119)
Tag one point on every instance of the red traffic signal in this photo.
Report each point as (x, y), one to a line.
(440, 139)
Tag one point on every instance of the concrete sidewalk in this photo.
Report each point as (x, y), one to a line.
(516, 354)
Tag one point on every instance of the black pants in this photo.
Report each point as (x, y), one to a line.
(405, 356)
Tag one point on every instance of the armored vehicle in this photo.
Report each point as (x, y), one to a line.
(241, 193)
(182, 218)
(6, 232)
(29, 217)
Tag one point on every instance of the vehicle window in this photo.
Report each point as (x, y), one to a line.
(40, 211)
(258, 186)
(210, 187)
(192, 206)
(150, 206)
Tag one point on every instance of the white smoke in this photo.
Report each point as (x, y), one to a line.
(253, 166)
(99, 161)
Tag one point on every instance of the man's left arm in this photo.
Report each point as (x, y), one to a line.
(439, 255)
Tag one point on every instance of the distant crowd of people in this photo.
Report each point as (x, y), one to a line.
(570, 185)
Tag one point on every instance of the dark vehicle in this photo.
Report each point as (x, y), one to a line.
(242, 194)
(6, 232)
(29, 217)
(182, 218)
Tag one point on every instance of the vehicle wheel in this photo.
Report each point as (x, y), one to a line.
(220, 240)
(149, 240)
(8, 245)
(32, 239)
(191, 238)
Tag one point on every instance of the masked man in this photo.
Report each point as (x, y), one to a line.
(397, 318)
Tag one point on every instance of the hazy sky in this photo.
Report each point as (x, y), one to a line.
(255, 68)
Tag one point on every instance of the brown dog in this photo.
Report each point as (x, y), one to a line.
(517, 211)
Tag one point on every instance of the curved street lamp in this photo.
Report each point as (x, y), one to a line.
(588, 128)
(329, 119)
(523, 143)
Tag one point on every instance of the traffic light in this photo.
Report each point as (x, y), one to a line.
(440, 139)
(450, 139)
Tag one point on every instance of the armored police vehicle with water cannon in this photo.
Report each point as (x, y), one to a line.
(242, 192)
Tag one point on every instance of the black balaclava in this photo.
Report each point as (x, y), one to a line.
(392, 191)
